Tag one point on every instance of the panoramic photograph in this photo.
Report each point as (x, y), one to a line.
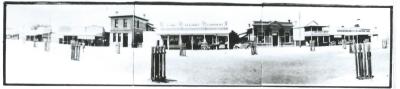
(198, 45)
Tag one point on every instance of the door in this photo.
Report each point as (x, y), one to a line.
(275, 40)
(125, 40)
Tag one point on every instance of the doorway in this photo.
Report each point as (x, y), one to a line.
(275, 40)
(125, 40)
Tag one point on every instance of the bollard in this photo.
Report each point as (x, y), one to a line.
(158, 64)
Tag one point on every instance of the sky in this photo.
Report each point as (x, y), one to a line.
(23, 17)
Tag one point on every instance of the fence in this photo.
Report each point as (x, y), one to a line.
(158, 63)
(75, 51)
(363, 61)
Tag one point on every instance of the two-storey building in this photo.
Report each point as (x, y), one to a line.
(127, 30)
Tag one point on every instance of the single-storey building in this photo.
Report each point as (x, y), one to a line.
(195, 35)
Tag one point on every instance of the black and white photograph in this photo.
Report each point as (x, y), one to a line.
(198, 43)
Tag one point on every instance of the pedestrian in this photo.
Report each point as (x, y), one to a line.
(253, 48)
(78, 49)
(83, 46)
(73, 49)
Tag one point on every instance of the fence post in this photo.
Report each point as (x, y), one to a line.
(163, 64)
(358, 71)
(152, 63)
(72, 49)
(351, 47)
(158, 63)
(367, 54)
(360, 57)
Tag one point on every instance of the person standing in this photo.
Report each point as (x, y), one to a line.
(77, 49)
(83, 46)
(73, 49)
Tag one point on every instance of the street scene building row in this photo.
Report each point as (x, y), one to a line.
(127, 31)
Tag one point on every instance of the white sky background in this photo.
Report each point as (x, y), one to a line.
(23, 17)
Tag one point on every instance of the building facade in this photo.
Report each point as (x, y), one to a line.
(39, 33)
(195, 35)
(272, 33)
(325, 36)
(312, 31)
(90, 35)
(127, 30)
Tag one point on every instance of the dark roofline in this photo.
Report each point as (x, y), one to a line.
(116, 16)
(316, 26)
(270, 22)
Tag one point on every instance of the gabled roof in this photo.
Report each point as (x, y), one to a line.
(285, 24)
(313, 23)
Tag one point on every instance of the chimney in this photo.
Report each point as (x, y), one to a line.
(289, 21)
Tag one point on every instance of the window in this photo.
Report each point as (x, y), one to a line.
(119, 37)
(307, 29)
(114, 37)
(173, 40)
(116, 23)
(287, 37)
(137, 23)
(125, 23)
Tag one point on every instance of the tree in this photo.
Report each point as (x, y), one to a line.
(233, 39)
